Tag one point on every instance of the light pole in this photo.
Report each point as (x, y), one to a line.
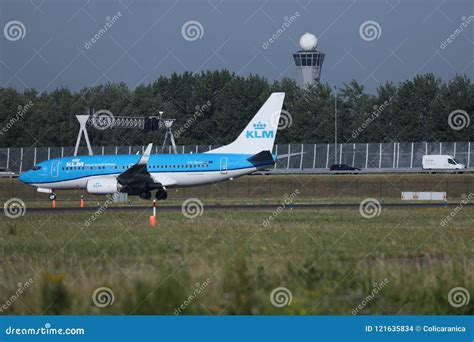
(335, 125)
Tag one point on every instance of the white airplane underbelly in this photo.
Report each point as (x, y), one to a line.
(178, 179)
(80, 183)
(167, 179)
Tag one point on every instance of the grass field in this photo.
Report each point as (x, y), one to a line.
(229, 262)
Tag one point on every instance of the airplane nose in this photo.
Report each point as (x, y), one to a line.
(24, 177)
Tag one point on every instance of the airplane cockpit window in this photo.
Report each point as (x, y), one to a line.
(36, 167)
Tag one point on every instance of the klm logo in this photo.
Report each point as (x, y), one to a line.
(259, 132)
(75, 162)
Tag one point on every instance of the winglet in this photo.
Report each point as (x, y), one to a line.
(146, 155)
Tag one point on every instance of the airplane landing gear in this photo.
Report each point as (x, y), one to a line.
(146, 195)
(52, 196)
(161, 194)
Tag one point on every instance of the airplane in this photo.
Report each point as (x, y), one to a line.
(140, 175)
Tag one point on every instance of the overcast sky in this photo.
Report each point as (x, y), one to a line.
(47, 44)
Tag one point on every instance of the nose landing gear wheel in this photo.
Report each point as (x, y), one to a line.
(52, 196)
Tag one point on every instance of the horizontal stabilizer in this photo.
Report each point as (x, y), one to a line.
(261, 157)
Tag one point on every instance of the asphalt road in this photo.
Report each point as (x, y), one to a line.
(252, 207)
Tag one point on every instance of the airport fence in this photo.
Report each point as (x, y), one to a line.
(292, 157)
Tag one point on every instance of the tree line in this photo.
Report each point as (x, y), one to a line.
(214, 106)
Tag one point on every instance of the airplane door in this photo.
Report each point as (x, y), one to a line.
(55, 168)
(224, 166)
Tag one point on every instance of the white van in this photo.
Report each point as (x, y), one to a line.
(441, 162)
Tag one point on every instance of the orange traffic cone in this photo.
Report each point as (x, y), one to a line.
(152, 221)
(54, 203)
(83, 203)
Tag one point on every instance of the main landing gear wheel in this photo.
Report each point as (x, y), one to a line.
(145, 195)
(52, 196)
(161, 195)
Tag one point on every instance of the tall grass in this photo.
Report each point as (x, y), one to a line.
(330, 260)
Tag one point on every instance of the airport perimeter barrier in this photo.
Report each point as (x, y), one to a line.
(292, 157)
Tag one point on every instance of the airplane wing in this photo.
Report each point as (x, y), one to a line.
(137, 176)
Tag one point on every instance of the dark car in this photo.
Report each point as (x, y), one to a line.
(343, 167)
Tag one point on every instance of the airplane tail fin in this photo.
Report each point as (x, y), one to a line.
(259, 134)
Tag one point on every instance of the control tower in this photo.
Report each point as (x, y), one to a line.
(308, 60)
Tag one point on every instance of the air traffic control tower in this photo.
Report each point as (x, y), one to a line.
(308, 61)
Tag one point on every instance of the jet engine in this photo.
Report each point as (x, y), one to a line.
(103, 185)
